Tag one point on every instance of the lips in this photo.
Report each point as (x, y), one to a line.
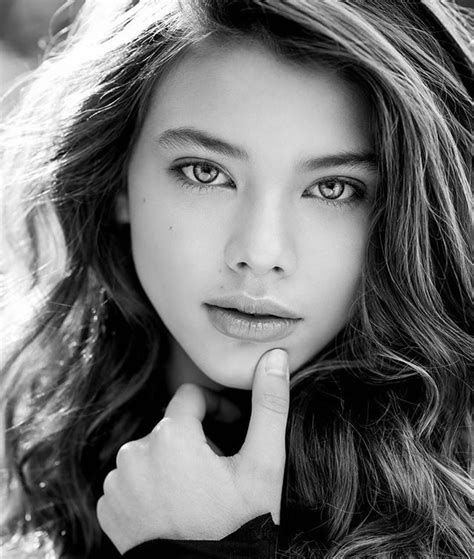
(261, 307)
(252, 315)
(245, 326)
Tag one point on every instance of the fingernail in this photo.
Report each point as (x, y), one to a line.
(276, 362)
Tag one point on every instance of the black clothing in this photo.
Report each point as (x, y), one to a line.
(255, 540)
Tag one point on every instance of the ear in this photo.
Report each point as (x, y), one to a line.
(122, 213)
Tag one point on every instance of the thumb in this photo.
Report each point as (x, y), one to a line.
(264, 444)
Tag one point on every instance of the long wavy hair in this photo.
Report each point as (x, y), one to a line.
(378, 445)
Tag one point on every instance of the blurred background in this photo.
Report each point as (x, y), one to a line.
(25, 26)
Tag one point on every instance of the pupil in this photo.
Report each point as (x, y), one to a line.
(332, 189)
(205, 173)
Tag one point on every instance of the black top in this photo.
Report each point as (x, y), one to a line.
(255, 540)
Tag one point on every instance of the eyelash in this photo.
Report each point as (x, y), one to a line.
(358, 195)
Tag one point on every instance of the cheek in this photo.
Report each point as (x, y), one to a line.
(173, 251)
(335, 267)
(337, 290)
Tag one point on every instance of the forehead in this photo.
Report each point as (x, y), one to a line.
(244, 92)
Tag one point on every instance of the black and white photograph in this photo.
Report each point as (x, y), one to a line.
(236, 279)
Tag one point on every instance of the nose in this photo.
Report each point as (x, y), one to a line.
(260, 240)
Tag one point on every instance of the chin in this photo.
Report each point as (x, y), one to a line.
(231, 375)
(240, 380)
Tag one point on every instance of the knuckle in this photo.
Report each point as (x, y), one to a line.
(104, 514)
(274, 403)
(165, 434)
(166, 425)
(101, 510)
(124, 453)
(110, 482)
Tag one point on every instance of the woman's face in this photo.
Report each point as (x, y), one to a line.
(250, 177)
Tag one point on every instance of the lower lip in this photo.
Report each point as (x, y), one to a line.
(238, 325)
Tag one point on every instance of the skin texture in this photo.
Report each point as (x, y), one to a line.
(271, 232)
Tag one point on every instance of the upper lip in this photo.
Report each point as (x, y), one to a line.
(249, 305)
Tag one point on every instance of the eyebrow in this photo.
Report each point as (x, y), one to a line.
(191, 137)
(342, 159)
(185, 137)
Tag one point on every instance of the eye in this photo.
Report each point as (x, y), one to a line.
(201, 174)
(337, 190)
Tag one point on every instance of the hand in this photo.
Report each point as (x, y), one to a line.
(172, 485)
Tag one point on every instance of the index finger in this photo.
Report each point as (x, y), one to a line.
(188, 401)
(197, 401)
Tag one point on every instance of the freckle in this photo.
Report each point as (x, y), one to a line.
(170, 228)
(143, 200)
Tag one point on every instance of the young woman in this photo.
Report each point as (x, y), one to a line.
(201, 199)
